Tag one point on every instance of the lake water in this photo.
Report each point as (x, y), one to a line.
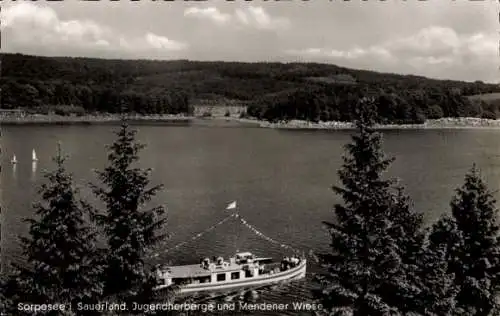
(281, 180)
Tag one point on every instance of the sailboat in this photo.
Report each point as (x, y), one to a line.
(33, 156)
(14, 160)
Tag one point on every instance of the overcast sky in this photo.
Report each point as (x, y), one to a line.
(437, 38)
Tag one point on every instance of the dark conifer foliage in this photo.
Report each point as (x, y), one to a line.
(374, 231)
(437, 289)
(470, 237)
(130, 231)
(60, 249)
(407, 227)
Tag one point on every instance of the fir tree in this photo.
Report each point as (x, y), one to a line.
(427, 287)
(60, 249)
(407, 227)
(437, 295)
(369, 238)
(470, 237)
(130, 231)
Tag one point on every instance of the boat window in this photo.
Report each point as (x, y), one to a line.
(221, 277)
(205, 279)
(180, 281)
(248, 273)
(235, 275)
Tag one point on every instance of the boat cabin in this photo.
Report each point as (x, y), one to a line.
(244, 257)
(239, 267)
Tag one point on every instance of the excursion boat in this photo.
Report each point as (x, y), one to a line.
(242, 270)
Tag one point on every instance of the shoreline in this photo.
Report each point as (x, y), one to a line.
(223, 121)
(442, 123)
(41, 119)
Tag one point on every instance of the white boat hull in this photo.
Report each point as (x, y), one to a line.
(295, 273)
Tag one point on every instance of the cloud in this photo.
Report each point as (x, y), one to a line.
(246, 32)
(210, 13)
(253, 17)
(430, 41)
(351, 54)
(432, 51)
(36, 29)
(257, 17)
(161, 42)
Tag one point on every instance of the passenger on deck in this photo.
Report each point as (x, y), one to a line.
(205, 263)
(159, 273)
(220, 261)
(285, 264)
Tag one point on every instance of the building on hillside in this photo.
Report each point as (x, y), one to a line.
(12, 113)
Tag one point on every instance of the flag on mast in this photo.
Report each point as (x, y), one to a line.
(231, 206)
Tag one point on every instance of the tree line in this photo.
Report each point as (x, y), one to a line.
(272, 91)
(322, 103)
(65, 98)
(382, 261)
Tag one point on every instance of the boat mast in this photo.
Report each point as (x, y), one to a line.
(233, 207)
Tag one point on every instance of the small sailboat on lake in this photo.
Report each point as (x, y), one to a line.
(13, 160)
(33, 156)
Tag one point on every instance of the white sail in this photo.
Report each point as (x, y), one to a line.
(231, 206)
(14, 159)
(33, 156)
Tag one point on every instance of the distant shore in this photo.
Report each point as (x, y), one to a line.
(442, 123)
(41, 119)
(222, 121)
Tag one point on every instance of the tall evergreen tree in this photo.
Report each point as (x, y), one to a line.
(437, 289)
(471, 239)
(407, 228)
(368, 247)
(60, 249)
(130, 230)
(428, 287)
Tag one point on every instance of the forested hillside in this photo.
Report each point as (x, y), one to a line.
(272, 91)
